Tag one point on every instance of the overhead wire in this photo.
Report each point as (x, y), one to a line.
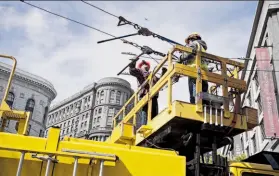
(136, 26)
(67, 18)
(106, 33)
(91, 27)
(99, 9)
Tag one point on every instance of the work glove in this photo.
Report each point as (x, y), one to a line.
(164, 70)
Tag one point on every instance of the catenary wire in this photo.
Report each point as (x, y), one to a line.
(99, 9)
(67, 18)
(94, 6)
(91, 27)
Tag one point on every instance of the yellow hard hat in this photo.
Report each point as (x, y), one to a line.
(194, 35)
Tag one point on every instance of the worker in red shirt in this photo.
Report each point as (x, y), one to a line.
(142, 73)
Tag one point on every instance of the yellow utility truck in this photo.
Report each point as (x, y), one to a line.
(174, 143)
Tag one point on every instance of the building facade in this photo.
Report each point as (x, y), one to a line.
(265, 34)
(30, 93)
(89, 113)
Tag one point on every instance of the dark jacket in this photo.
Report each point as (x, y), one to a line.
(141, 77)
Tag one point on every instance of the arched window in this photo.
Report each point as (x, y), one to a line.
(102, 97)
(10, 99)
(98, 97)
(112, 97)
(118, 95)
(30, 106)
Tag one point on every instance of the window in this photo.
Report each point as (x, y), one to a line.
(100, 110)
(69, 123)
(10, 99)
(110, 116)
(118, 95)
(67, 130)
(110, 112)
(86, 116)
(82, 117)
(97, 99)
(112, 97)
(89, 98)
(102, 97)
(30, 106)
(98, 120)
(73, 121)
(94, 121)
(85, 123)
(81, 125)
(96, 111)
(64, 124)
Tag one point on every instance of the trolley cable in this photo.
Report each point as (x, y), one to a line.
(91, 27)
(100, 9)
(124, 41)
(141, 30)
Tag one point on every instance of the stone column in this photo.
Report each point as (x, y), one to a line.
(107, 95)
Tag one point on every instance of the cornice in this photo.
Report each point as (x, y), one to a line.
(29, 78)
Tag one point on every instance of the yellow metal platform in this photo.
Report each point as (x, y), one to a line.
(179, 117)
(80, 157)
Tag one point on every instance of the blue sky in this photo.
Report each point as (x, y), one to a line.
(68, 55)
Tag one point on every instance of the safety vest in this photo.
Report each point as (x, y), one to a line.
(192, 62)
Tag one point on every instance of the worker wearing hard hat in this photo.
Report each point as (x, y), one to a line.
(195, 42)
(142, 73)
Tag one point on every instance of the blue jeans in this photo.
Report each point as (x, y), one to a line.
(144, 111)
(192, 88)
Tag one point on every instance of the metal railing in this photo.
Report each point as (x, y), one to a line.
(133, 106)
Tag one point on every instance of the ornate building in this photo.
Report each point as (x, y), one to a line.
(30, 93)
(89, 113)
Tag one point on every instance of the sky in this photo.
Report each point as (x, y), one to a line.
(67, 54)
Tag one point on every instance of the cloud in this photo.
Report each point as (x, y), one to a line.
(68, 55)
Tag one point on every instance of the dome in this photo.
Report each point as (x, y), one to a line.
(113, 80)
